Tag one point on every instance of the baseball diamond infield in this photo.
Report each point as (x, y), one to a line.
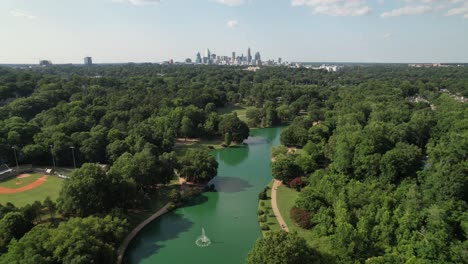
(37, 183)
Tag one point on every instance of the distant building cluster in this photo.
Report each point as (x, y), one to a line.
(427, 65)
(460, 98)
(210, 58)
(329, 68)
(88, 61)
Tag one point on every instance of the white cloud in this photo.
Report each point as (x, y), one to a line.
(387, 35)
(232, 24)
(139, 2)
(21, 13)
(335, 7)
(461, 10)
(231, 2)
(418, 7)
(408, 11)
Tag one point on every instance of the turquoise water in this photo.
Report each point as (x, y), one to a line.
(229, 216)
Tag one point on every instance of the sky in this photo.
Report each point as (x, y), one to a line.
(112, 31)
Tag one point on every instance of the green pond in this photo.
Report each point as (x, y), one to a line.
(229, 216)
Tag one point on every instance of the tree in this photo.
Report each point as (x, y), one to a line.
(51, 207)
(12, 226)
(78, 240)
(228, 139)
(198, 166)
(294, 136)
(402, 161)
(232, 124)
(282, 248)
(285, 169)
(86, 191)
(187, 128)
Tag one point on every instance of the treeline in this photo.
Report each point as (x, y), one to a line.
(364, 143)
(386, 177)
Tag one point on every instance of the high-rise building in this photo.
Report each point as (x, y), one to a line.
(280, 60)
(198, 60)
(249, 56)
(233, 58)
(88, 61)
(208, 53)
(257, 56)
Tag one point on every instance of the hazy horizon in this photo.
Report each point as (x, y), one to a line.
(121, 31)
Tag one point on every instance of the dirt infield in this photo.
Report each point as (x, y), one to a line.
(30, 186)
(22, 176)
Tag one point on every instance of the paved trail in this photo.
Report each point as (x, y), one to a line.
(274, 206)
(123, 247)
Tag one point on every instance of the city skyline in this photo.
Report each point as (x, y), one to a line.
(119, 31)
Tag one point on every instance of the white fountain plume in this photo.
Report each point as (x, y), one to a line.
(203, 240)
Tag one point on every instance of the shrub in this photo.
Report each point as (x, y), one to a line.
(262, 196)
(174, 195)
(296, 183)
(301, 217)
(262, 203)
(171, 207)
(260, 212)
(264, 227)
(262, 218)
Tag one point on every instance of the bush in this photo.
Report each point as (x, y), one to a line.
(296, 183)
(174, 195)
(260, 212)
(262, 218)
(301, 217)
(264, 227)
(262, 196)
(262, 203)
(171, 207)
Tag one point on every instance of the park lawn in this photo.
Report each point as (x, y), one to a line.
(50, 188)
(230, 108)
(271, 218)
(286, 198)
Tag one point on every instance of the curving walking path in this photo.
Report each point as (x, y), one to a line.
(274, 206)
(136, 230)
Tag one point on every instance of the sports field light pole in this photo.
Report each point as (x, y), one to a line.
(51, 153)
(73, 153)
(16, 159)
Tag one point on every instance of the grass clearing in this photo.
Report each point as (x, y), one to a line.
(50, 188)
(230, 108)
(286, 198)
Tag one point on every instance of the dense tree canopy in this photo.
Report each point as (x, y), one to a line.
(383, 149)
(282, 248)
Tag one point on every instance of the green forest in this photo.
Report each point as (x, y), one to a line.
(381, 161)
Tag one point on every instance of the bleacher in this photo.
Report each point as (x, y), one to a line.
(5, 172)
